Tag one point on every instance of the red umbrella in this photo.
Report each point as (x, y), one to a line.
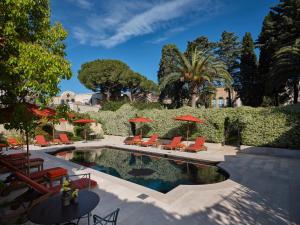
(140, 120)
(188, 118)
(84, 121)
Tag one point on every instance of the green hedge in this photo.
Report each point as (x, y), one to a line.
(277, 127)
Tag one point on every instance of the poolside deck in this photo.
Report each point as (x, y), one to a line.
(261, 190)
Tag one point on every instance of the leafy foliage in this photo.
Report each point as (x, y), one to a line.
(169, 64)
(32, 54)
(197, 71)
(111, 77)
(251, 88)
(276, 127)
(280, 30)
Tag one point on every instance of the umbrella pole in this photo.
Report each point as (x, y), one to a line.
(53, 131)
(85, 134)
(27, 146)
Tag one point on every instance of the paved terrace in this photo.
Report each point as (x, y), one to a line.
(261, 190)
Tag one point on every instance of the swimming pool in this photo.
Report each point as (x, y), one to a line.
(158, 173)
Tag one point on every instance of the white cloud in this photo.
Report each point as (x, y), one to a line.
(84, 4)
(121, 20)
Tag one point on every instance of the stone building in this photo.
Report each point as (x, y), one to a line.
(221, 99)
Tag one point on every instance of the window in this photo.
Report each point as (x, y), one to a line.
(72, 100)
(214, 103)
(62, 101)
(221, 102)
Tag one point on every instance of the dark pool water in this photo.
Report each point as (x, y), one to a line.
(160, 174)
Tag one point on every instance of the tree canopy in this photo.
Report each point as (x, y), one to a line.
(32, 58)
(198, 71)
(250, 89)
(111, 77)
(280, 30)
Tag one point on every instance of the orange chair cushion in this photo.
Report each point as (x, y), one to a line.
(59, 172)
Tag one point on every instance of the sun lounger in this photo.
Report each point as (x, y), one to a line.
(175, 144)
(198, 146)
(41, 141)
(151, 142)
(64, 139)
(133, 141)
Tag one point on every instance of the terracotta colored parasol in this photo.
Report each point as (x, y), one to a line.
(6, 115)
(188, 118)
(84, 121)
(140, 120)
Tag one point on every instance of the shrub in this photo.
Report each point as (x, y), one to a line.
(146, 105)
(112, 105)
(116, 105)
(276, 127)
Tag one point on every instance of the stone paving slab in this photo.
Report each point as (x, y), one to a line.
(262, 190)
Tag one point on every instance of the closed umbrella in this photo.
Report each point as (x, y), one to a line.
(84, 121)
(140, 120)
(188, 118)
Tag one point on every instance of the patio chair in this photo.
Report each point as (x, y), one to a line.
(41, 141)
(197, 146)
(21, 163)
(151, 142)
(43, 192)
(133, 141)
(110, 219)
(64, 139)
(175, 144)
(14, 144)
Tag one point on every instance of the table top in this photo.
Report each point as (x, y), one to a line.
(51, 210)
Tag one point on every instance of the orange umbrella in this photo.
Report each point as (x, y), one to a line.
(188, 118)
(140, 120)
(84, 121)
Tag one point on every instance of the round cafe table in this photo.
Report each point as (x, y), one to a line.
(51, 211)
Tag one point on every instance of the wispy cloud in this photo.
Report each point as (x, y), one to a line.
(84, 4)
(119, 20)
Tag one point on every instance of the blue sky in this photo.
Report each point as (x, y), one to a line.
(134, 31)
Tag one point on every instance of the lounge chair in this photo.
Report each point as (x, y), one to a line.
(64, 139)
(13, 143)
(151, 142)
(198, 146)
(41, 141)
(44, 192)
(133, 141)
(22, 163)
(175, 144)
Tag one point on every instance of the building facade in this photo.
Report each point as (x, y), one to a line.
(221, 99)
(79, 102)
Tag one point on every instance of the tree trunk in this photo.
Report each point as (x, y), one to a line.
(194, 95)
(276, 99)
(229, 103)
(194, 100)
(107, 94)
(296, 90)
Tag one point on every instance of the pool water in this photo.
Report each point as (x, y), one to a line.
(160, 174)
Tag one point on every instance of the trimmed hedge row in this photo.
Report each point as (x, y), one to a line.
(277, 127)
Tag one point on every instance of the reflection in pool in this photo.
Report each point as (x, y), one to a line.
(160, 174)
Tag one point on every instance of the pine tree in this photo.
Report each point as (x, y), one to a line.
(229, 50)
(168, 65)
(200, 44)
(250, 89)
(280, 29)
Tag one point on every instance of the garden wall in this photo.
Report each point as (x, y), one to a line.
(276, 127)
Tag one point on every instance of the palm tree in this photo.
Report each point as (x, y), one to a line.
(198, 70)
(286, 66)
